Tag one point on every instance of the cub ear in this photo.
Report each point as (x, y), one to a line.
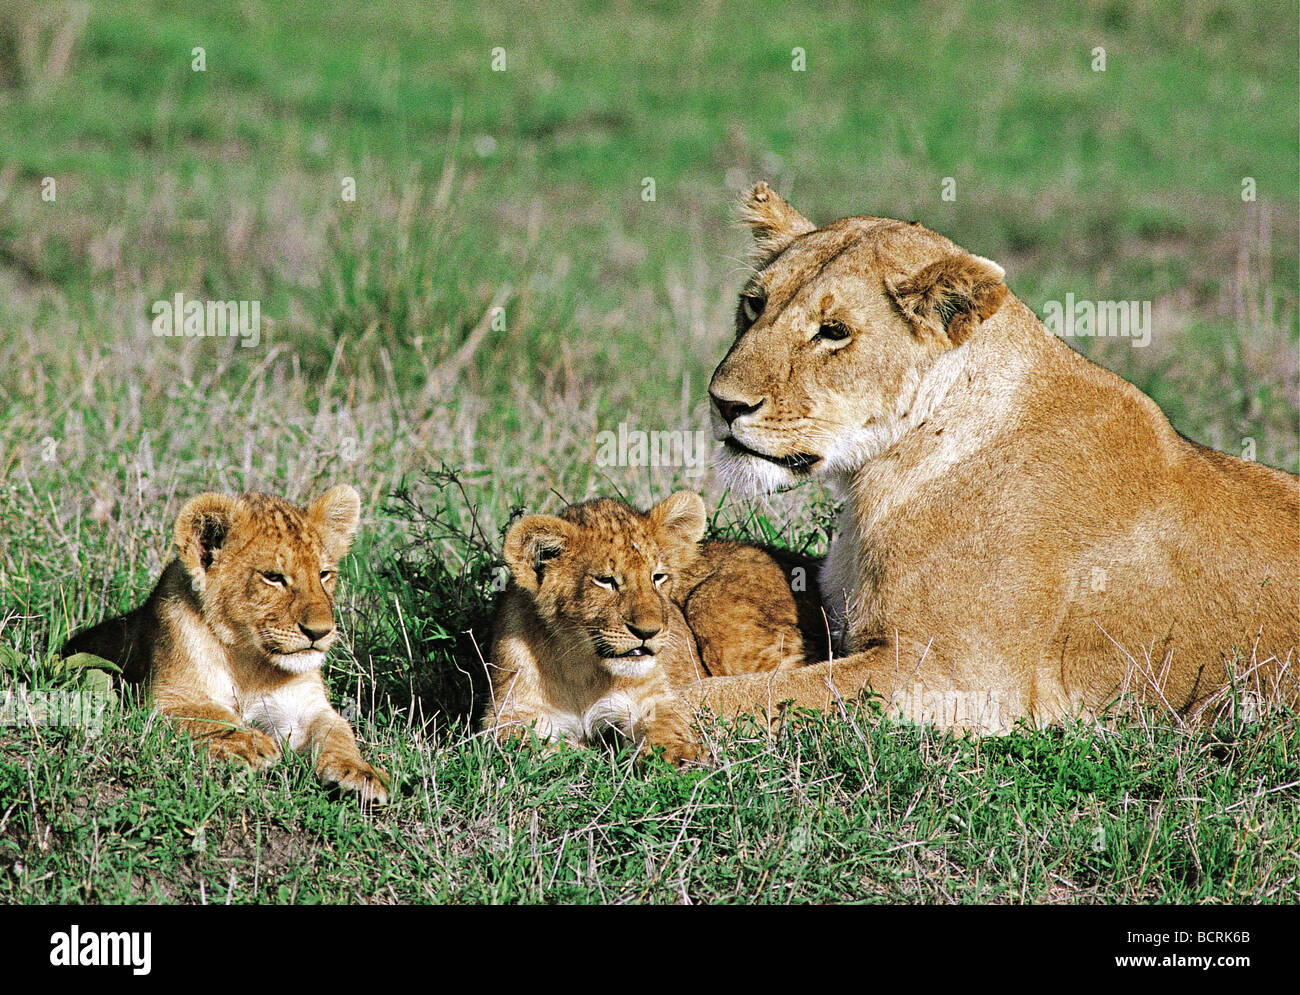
(337, 515)
(679, 518)
(202, 528)
(773, 222)
(531, 543)
(952, 296)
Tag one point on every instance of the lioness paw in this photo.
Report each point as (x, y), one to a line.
(355, 775)
(249, 746)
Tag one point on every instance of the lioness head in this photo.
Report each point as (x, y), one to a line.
(600, 574)
(265, 570)
(834, 332)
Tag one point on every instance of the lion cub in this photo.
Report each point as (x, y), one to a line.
(231, 641)
(752, 608)
(591, 637)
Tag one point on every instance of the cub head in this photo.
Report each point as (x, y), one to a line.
(600, 574)
(265, 570)
(834, 331)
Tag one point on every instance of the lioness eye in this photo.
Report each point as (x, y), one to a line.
(326, 575)
(274, 578)
(605, 582)
(659, 578)
(751, 306)
(833, 331)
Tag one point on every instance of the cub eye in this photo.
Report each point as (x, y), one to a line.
(833, 331)
(659, 578)
(326, 576)
(605, 582)
(275, 579)
(751, 306)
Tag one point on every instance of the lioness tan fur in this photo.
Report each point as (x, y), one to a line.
(231, 641)
(591, 636)
(1023, 535)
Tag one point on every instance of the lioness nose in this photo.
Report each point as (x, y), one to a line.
(643, 630)
(731, 410)
(315, 631)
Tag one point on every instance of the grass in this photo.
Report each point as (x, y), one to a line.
(384, 363)
(827, 813)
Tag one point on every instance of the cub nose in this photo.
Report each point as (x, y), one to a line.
(731, 410)
(315, 631)
(643, 630)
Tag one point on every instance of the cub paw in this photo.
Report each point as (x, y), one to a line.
(355, 775)
(675, 738)
(676, 751)
(249, 746)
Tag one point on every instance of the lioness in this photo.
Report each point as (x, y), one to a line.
(591, 638)
(1024, 535)
(232, 639)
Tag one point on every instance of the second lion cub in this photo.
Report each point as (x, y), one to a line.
(591, 638)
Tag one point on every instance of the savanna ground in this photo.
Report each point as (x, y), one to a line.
(382, 363)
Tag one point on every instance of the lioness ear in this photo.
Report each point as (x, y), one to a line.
(530, 543)
(337, 515)
(774, 223)
(952, 296)
(202, 528)
(679, 518)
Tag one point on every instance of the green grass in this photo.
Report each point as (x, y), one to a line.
(831, 812)
(380, 365)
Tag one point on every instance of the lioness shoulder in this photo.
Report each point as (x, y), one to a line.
(231, 641)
